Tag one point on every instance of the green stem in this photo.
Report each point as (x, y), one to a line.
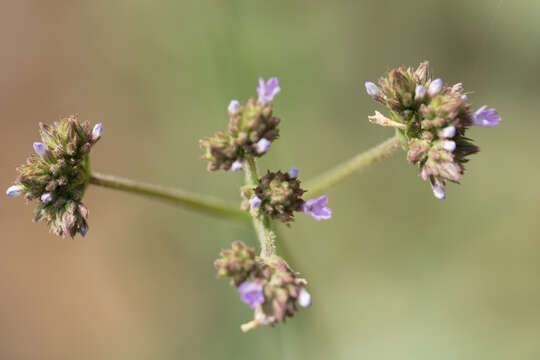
(201, 203)
(261, 223)
(359, 162)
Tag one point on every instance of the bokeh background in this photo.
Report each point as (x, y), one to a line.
(396, 274)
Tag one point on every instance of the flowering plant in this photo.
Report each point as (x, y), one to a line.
(430, 121)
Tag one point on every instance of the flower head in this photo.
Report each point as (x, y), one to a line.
(486, 117)
(268, 90)
(266, 284)
(316, 208)
(280, 195)
(251, 293)
(58, 174)
(431, 120)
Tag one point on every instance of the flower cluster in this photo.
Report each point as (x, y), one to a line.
(267, 285)
(252, 129)
(279, 195)
(58, 173)
(431, 120)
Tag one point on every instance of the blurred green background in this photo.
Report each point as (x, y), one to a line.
(395, 274)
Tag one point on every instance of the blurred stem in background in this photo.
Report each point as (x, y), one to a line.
(191, 201)
(261, 222)
(213, 206)
(359, 162)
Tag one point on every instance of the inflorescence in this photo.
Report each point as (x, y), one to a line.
(57, 174)
(266, 285)
(431, 119)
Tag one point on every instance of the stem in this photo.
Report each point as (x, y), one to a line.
(261, 223)
(359, 162)
(201, 203)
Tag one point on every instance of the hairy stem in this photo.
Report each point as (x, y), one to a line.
(197, 202)
(262, 222)
(359, 162)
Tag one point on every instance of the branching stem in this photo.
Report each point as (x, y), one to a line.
(320, 184)
(261, 222)
(197, 202)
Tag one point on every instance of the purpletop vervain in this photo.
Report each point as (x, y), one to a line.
(486, 117)
(316, 208)
(251, 293)
(268, 90)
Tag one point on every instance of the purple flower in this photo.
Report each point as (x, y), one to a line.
(267, 91)
(419, 93)
(96, 132)
(486, 117)
(262, 145)
(254, 202)
(39, 148)
(371, 88)
(435, 87)
(251, 293)
(14, 190)
(293, 172)
(46, 198)
(237, 166)
(316, 208)
(304, 298)
(234, 106)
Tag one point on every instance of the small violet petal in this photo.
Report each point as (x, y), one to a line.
(486, 117)
(251, 293)
(268, 90)
(316, 208)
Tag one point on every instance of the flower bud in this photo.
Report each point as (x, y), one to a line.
(371, 88)
(419, 93)
(233, 107)
(96, 132)
(40, 148)
(15, 190)
(435, 87)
